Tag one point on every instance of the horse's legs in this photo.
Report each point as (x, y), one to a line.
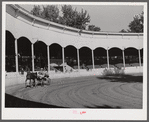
(26, 83)
(49, 81)
(42, 83)
(30, 82)
(35, 82)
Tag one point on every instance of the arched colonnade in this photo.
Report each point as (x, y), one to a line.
(44, 54)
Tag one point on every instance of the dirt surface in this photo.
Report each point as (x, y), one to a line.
(83, 92)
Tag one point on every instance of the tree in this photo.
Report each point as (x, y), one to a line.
(68, 14)
(70, 17)
(137, 24)
(50, 12)
(36, 11)
(97, 29)
(74, 18)
(123, 31)
(93, 28)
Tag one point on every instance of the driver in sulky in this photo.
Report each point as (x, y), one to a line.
(43, 75)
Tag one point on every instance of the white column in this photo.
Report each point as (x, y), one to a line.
(139, 57)
(63, 55)
(16, 54)
(108, 58)
(123, 58)
(78, 59)
(48, 56)
(33, 66)
(93, 59)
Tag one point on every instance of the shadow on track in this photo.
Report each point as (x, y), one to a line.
(123, 78)
(13, 102)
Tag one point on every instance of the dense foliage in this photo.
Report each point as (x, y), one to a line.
(50, 12)
(69, 16)
(36, 11)
(93, 28)
(74, 18)
(136, 25)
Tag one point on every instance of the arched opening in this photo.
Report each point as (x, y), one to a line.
(85, 58)
(100, 57)
(131, 57)
(10, 65)
(115, 57)
(40, 52)
(55, 54)
(71, 56)
(24, 53)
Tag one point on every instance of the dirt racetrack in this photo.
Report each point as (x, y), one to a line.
(82, 92)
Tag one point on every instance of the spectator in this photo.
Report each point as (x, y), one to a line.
(22, 71)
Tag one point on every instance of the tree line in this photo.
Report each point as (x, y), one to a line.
(80, 20)
(69, 17)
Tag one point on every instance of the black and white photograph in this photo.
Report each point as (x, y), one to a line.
(77, 60)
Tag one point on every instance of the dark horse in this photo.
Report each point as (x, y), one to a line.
(43, 78)
(31, 76)
(36, 79)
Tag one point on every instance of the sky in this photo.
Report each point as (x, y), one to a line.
(112, 18)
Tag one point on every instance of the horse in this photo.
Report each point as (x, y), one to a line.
(31, 76)
(37, 78)
(42, 77)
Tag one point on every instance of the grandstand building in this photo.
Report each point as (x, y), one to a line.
(34, 43)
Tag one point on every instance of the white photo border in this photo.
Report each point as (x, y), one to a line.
(67, 114)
